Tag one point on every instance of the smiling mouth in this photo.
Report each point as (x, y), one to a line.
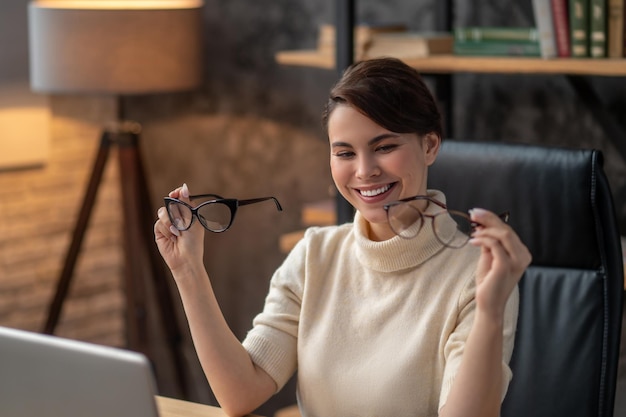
(376, 191)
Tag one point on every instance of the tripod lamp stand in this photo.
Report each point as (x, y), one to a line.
(119, 48)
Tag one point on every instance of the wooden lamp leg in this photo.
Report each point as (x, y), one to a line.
(144, 273)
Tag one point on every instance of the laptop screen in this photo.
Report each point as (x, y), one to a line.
(42, 375)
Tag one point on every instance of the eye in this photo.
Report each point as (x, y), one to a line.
(344, 154)
(386, 148)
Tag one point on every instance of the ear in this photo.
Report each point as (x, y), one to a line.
(432, 144)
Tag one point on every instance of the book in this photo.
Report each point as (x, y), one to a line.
(404, 45)
(615, 29)
(579, 28)
(497, 41)
(561, 28)
(510, 34)
(542, 10)
(498, 48)
(363, 34)
(597, 28)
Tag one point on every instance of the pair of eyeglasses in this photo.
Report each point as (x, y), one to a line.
(406, 220)
(215, 215)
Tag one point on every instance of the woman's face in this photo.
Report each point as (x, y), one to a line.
(372, 166)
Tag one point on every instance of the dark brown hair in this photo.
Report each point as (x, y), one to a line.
(390, 93)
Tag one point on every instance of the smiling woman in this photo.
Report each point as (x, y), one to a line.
(374, 323)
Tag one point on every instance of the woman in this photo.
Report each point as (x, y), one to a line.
(376, 324)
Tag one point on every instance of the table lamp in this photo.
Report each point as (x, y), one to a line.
(119, 48)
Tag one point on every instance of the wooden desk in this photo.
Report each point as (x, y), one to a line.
(170, 407)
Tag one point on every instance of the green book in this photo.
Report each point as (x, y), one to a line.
(510, 34)
(579, 27)
(598, 28)
(498, 48)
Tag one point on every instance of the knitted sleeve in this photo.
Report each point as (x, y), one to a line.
(272, 342)
(456, 342)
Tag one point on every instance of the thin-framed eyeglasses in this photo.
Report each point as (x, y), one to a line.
(216, 215)
(406, 220)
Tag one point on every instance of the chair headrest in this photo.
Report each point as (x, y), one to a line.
(550, 193)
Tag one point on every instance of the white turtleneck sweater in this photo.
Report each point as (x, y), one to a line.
(373, 328)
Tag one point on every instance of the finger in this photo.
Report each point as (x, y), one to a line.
(163, 217)
(485, 218)
(495, 248)
(175, 193)
(504, 259)
(494, 260)
(162, 233)
(181, 193)
(492, 225)
(509, 241)
(164, 226)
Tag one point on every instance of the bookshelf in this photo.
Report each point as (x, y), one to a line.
(452, 64)
(576, 70)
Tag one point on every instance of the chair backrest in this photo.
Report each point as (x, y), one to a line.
(567, 344)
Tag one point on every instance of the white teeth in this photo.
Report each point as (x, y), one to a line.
(372, 193)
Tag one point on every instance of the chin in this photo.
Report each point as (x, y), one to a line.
(377, 216)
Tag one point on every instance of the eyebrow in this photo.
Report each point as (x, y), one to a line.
(371, 142)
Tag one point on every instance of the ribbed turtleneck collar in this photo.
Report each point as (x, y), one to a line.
(397, 254)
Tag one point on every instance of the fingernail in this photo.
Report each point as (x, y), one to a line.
(185, 191)
(175, 231)
(478, 212)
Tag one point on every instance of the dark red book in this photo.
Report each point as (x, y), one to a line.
(561, 28)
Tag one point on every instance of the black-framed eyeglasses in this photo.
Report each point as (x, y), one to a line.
(215, 215)
(406, 220)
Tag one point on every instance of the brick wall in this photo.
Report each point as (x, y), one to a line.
(38, 210)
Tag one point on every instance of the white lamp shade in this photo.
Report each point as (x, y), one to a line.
(118, 47)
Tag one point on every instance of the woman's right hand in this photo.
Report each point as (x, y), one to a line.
(180, 250)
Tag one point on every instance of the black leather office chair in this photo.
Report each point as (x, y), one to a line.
(567, 343)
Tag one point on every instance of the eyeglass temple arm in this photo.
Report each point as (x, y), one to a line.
(421, 197)
(258, 200)
(217, 197)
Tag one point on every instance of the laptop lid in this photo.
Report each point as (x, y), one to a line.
(42, 375)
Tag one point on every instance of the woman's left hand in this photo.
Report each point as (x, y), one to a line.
(503, 260)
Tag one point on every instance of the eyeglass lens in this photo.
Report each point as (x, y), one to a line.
(406, 220)
(180, 215)
(215, 216)
(453, 234)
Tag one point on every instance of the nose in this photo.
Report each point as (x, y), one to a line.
(367, 167)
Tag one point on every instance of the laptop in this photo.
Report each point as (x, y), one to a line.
(42, 375)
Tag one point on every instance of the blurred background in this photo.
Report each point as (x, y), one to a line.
(252, 129)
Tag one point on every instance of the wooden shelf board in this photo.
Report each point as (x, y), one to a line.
(305, 58)
(287, 241)
(446, 64)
